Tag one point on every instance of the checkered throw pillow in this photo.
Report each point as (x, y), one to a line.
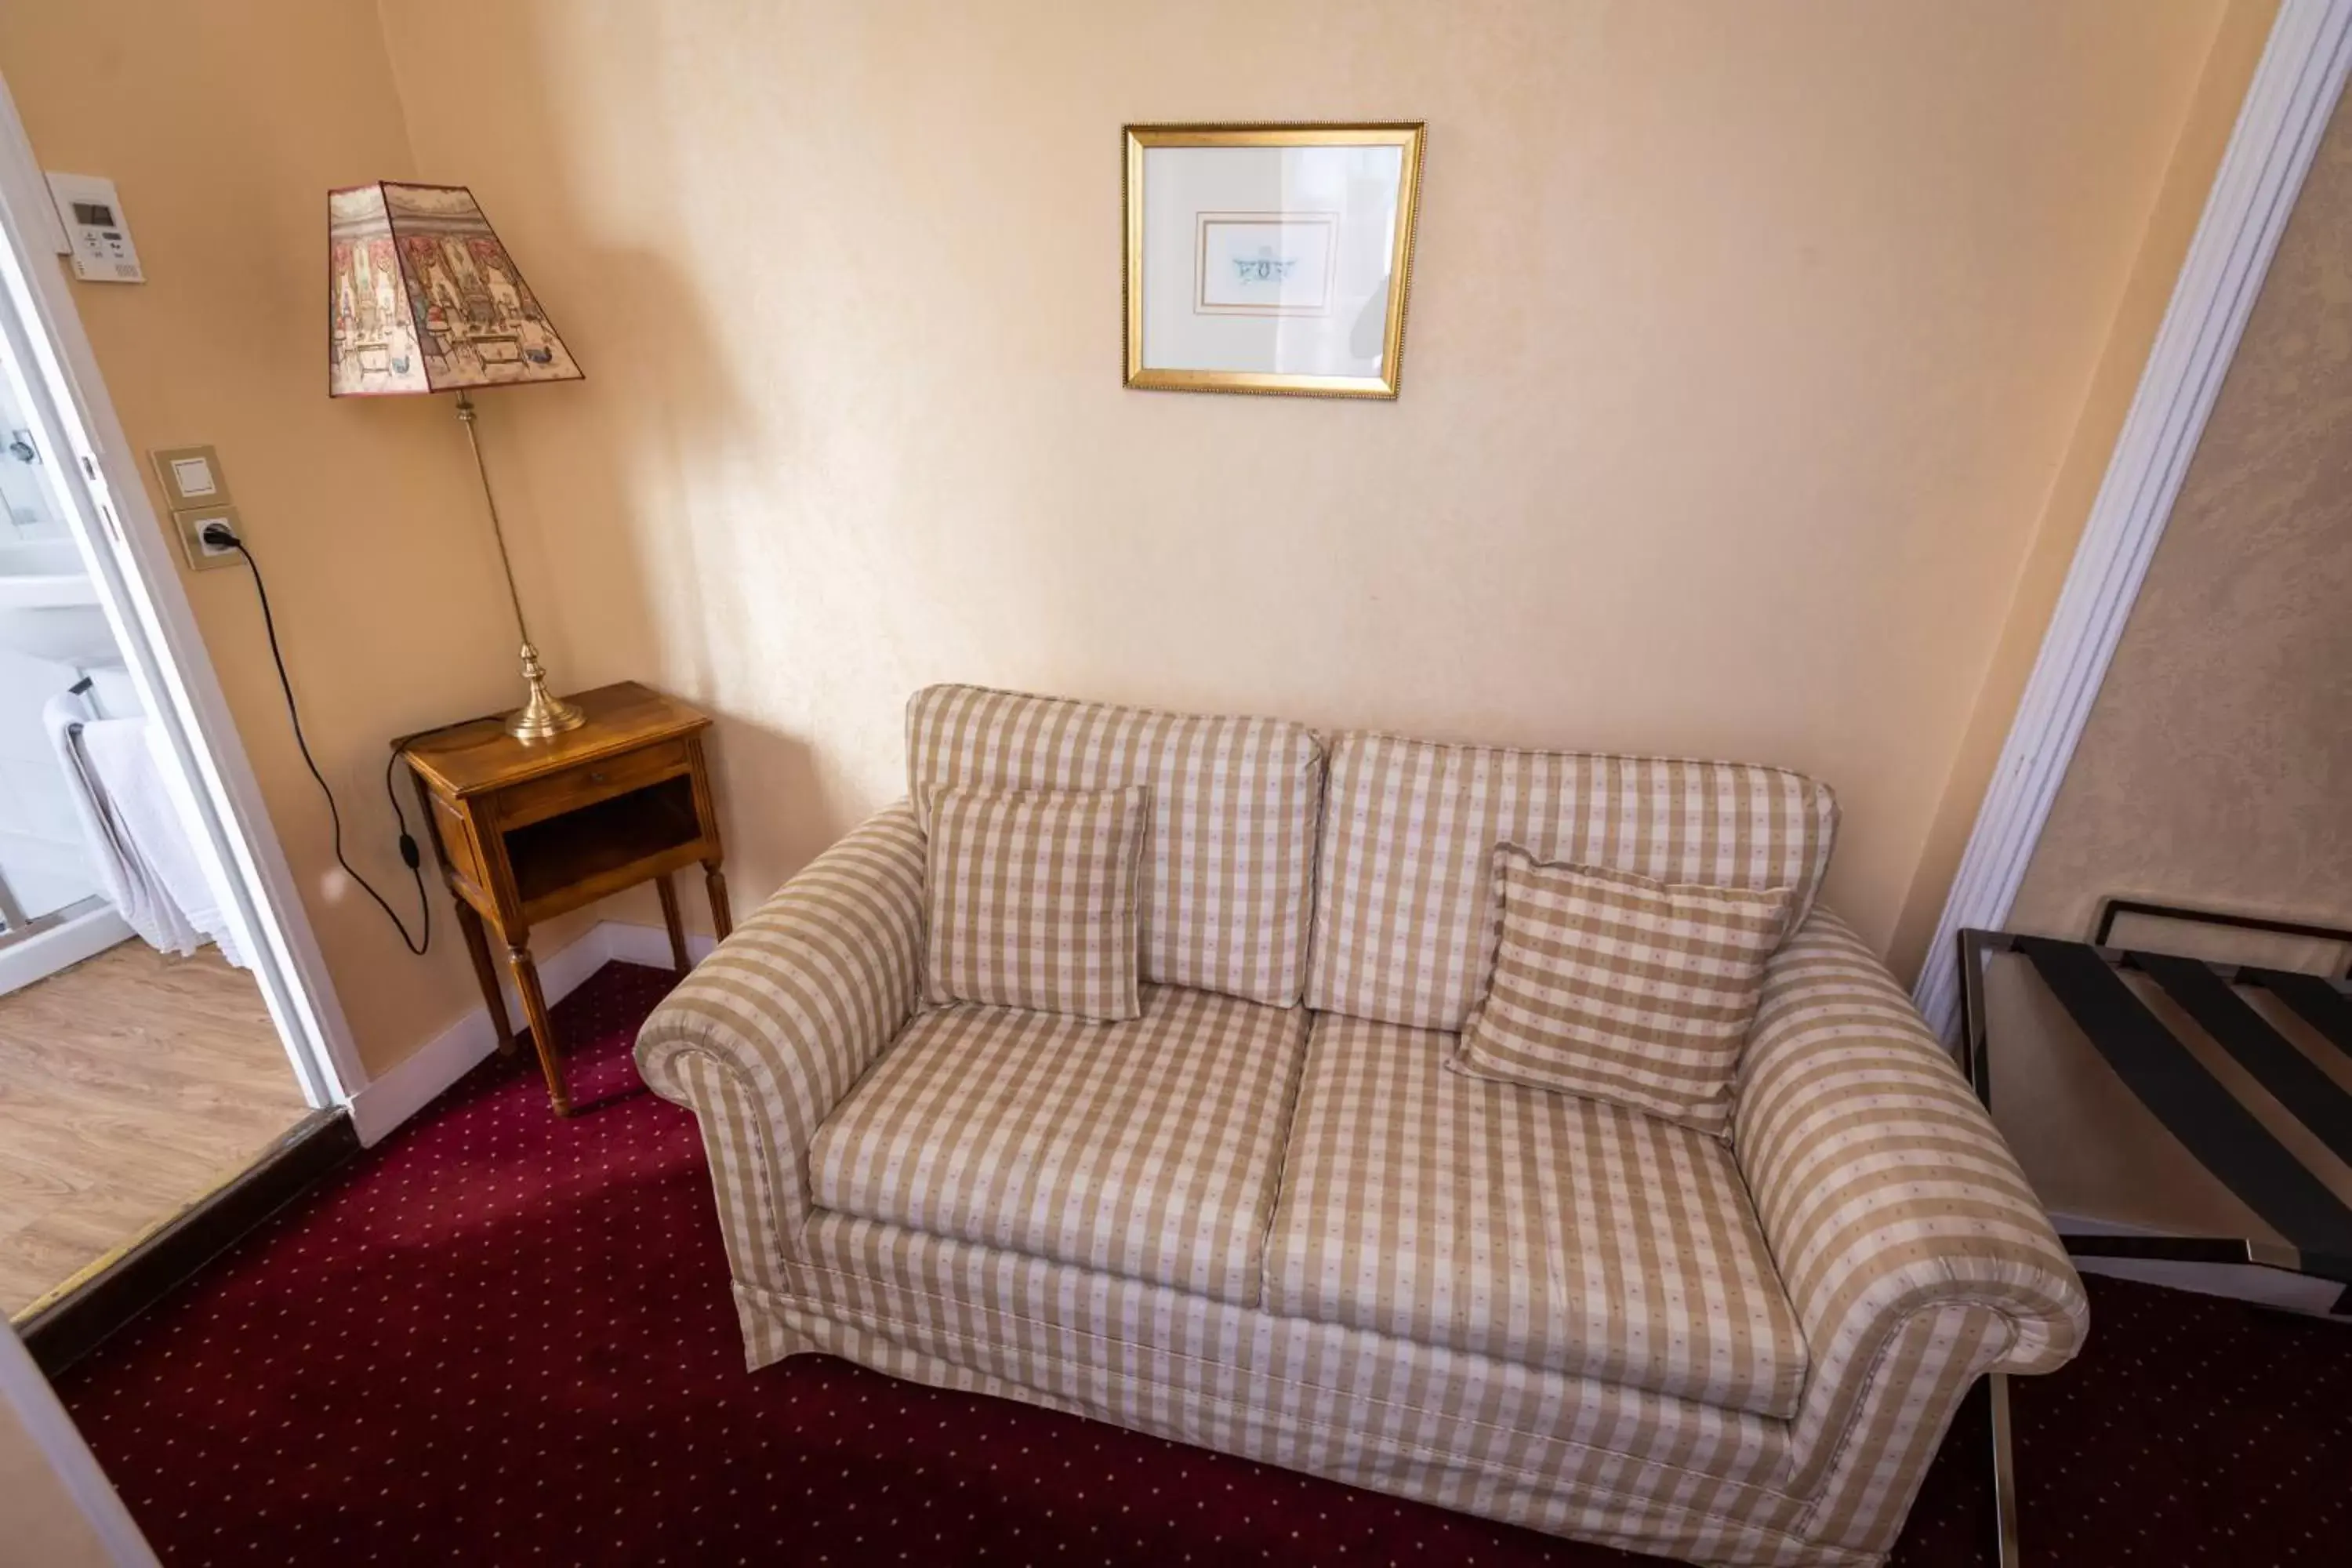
(1031, 900)
(1622, 988)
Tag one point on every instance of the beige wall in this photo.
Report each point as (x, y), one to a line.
(2216, 768)
(1749, 347)
(41, 1522)
(224, 124)
(1746, 345)
(44, 1529)
(2237, 48)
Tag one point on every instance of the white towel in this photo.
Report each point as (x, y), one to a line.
(145, 861)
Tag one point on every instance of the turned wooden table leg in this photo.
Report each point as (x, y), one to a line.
(722, 920)
(666, 886)
(543, 1032)
(486, 974)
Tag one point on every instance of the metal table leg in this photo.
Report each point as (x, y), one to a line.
(2004, 1475)
(1974, 1061)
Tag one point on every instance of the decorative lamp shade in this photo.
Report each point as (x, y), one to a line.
(422, 296)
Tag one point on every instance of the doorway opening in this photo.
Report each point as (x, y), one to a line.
(166, 1020)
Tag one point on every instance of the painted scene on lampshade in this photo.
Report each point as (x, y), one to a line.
(423, 297)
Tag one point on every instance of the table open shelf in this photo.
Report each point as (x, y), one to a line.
(527, 830)
(558, 859)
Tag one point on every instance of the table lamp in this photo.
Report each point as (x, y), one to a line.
(422, 296)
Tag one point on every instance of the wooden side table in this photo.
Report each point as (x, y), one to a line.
(526, 831)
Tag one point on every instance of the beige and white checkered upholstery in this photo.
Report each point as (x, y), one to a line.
(1573, 1455)
(1542, 1228)
(769, 1032)
(1910, 1244)
(1912, 1254)
(1031, 901)
(1228, 877)
(1405, 923)
(1149, 1149)
(1621, 987)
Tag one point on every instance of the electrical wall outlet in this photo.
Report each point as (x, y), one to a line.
(202, 556)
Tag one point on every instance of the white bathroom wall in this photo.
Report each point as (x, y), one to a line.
(41, 855)
(41, 851)
(25, 510)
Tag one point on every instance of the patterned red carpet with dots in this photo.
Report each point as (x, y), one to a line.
(499, 1338)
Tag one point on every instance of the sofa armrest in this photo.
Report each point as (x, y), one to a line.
(1917, 1257)
(772, 1030)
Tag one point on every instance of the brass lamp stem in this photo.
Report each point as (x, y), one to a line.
(541, 714)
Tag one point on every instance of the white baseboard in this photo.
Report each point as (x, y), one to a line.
(2238, 1281)
(386, 1102)
(42, 954)
(648, 945)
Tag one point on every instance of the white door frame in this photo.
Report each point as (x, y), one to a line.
(2293, 92)
(129, 557)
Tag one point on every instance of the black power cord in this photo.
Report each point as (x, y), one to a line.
(218, 535)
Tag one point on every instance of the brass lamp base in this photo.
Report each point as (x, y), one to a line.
(542, 715)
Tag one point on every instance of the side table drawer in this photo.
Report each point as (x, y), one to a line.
(519, 805)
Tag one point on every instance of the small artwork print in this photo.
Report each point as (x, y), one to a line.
(1266, 264)
(1270, 258)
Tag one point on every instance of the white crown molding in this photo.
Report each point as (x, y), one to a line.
(449, 1056)
(2287, 105)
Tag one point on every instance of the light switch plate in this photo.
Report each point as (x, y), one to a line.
(190, 526)
(191, 475)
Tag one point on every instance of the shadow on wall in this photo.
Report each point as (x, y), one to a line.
(620, 579)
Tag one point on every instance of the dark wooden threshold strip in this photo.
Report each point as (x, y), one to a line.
(63, 1328)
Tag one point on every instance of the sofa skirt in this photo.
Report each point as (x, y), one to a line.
(1567, 1456)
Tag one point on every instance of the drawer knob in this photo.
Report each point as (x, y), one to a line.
(597, 777)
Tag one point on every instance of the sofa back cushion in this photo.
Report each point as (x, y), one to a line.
(1406, 923)
(1227, 880)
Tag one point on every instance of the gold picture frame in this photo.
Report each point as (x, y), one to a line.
(1264, 304)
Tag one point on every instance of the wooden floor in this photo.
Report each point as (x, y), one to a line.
(130, 1084)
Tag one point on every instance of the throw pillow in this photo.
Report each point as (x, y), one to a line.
(1031, 900)
(1622, 988)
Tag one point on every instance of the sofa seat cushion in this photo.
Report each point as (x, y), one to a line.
(1150, 1147)
(1544, 1228)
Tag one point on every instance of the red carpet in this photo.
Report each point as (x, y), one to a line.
(499, 1339)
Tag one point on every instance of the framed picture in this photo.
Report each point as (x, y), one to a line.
(1269, 258)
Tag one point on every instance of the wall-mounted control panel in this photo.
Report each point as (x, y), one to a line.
(196, 492)
(92, 212)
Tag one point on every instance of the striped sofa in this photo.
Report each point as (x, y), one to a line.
(1261, 1218)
